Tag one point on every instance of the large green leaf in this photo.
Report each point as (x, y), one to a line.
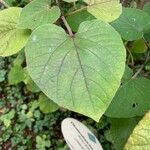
(140, 138)
(37, 13)
(132, 24)
(12, 39)
(132, 99)
(120, 131)
(104, 9)
(80, 72)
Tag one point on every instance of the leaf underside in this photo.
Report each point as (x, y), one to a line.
(140, 139)
(106, 10)
(12, 39)
(38, 12)
(132, 24)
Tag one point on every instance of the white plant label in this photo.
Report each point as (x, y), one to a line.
(78, 136)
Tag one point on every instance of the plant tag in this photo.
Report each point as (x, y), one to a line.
(78, 136)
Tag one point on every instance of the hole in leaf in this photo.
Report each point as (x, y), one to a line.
(134, 105)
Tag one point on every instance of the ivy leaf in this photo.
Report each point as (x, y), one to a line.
(72, 71)
(104, 9)
(140, 139)
(47, 105)
(38, 12)
(132, 99)
(132, 24)
(16, 75)
(76, 19)
(120, 131)
(6, 118)
(2, 75)
(12, 39)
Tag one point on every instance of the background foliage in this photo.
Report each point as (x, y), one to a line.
(30, 120)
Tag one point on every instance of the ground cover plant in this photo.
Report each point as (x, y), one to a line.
(85, 59)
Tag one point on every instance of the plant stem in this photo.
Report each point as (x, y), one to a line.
(139, 70)
(74, 5)
(4, 3)
(130, 54)
(67, 26)
(64, 20)
(142, 67)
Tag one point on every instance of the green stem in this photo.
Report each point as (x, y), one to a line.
(131, 56)
(78, 10)
(141, 68)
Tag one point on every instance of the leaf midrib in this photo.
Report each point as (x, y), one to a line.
(83, 73)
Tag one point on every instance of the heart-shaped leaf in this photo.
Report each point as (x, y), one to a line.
(132, 24)
(132, 99)
(12, 39)
(38, 12)
(80, 72)
(107, 10)
(140, 139)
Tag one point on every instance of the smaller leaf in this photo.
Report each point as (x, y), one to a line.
(38, 12)
(139, 46)
(12, 39)
(140, 139)
(147, 67)
(19, 59)
(120, 130)
(16, 75)
(132, 99)
(104, 9)
(46, 105)
(147, 36)
(132, 24)
(127, 74)
(76, 19)
(6, 118)
(146, 8)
